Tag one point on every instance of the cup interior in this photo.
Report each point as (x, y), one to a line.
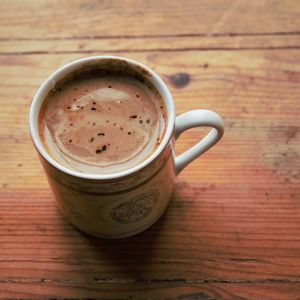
(100, 63)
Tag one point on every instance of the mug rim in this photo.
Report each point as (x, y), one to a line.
(68, 68)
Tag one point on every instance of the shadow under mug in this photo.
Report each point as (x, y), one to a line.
(124, 203)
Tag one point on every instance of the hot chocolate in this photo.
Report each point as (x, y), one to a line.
(102, 122)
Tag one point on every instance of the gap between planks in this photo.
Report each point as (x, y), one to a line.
(149, 50)
(159, 43)
(150, 280)
(226, 34)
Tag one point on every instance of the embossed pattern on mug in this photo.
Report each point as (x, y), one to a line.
(135, 209)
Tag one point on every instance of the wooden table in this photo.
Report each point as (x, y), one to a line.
(233, 226)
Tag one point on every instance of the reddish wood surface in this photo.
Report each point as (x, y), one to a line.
(232, 229)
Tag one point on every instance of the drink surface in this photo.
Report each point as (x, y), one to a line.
(102, 123)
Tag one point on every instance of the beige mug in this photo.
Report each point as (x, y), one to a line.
(124, 203)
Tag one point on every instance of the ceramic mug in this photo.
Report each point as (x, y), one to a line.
(124, 203)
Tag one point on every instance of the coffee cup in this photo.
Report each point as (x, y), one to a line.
(126, 202)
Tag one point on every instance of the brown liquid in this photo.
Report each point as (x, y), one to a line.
(102, 123)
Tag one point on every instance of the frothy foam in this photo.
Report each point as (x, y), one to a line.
(102, 124)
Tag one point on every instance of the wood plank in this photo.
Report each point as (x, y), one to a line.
(257, 93)
(210, 234)
(147, 44)
(232, 230)
(38, 19)
(141, 291)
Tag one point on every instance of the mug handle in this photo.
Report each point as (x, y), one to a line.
(197, 118)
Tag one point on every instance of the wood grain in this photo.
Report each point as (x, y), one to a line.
(206, 244)
(257, 93)
(37, 19)
(214, 235)
(232, 230)
(142, 291)
(147, 44)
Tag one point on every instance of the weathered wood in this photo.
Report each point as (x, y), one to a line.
(147, 290)
(41, 18)
(257, 94)
(208, 233)
(232, 229)
(92, 46)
